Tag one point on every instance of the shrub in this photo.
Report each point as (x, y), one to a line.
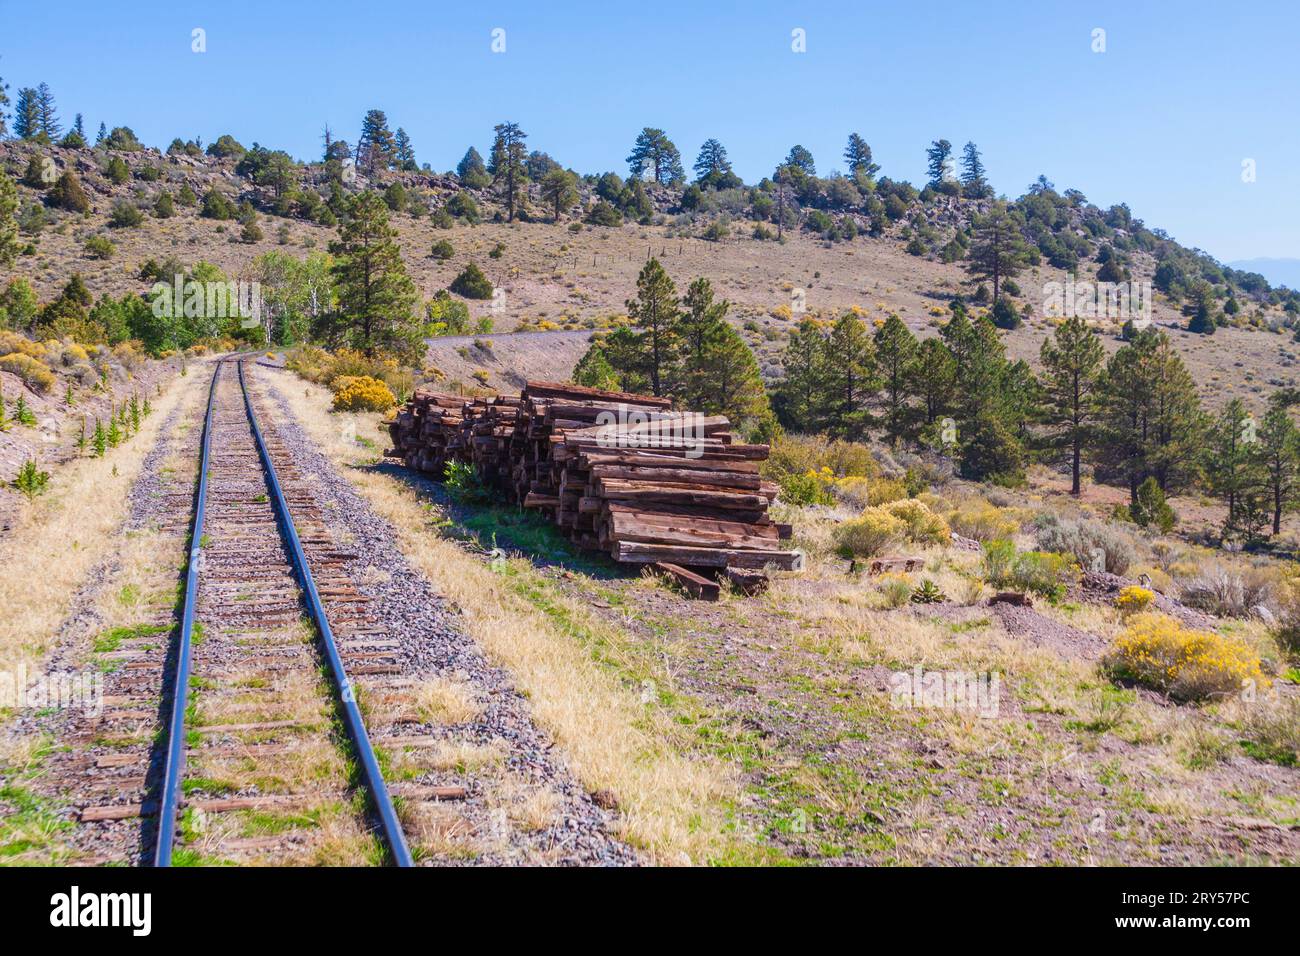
(463, 485)
(100, 247)
(442, 250)
(445, 315)
(17, 342)
(32, 372)
(1092, 542)
(798, 454)
(869, 534)
(125, 215)
(1043, 572)
(73, 354)
(603, 214)
(928, 593)
(463, 206)
(217, 206)
(895, 588)
(472, 283)
(362, 394)
(982, 521)
(1133, 600)
(1151, 508)
(31, 481)
(117, 170)
(1225, 592)
(805, 489)
(923, 525)
(865, 492)
(1159, 652)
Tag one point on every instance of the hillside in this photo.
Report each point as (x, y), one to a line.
(570, 275)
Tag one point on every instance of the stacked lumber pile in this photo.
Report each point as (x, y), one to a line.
(426, 433)
(621, 473)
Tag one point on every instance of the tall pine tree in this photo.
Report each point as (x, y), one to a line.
(1072, 361)
(376, 298)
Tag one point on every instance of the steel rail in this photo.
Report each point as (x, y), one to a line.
(356, 727)
(174, 767)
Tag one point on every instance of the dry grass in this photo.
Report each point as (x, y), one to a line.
(671, 803)
(448, 755)
(64, 534)
(441, 830)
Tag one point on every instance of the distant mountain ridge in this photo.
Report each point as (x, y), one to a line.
(1277, 271)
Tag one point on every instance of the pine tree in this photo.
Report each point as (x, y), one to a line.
(9, 244)
(851, 378)
(114, 435)
(508, 166)
(405, 152)
(938, 156)
(999, 250)
(375, 297)
(930, 378)
(1278, 453)
(993, 402)
(102, 134)
(712, 168)
(655, 151)
(595, 371)
(473, 174)
(81, 439)
(973, 183)
(27, 114)
(101, 439)
(716, 372)
(654, 310)
(1229, 458)
(46, 113)
(857, 156)
(559, 191)
(895, 353)
(1072, 359)
(376, 147)
(1151, 423)
(801, 395)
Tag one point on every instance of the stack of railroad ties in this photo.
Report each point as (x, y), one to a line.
(620, 473)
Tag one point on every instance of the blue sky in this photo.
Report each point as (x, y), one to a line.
(1163, 119)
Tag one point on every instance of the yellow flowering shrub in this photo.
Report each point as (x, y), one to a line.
(11, 342)
(362, 393)
(1158, 651)
(1133, 599)
(864, 492)
(982, 521)
(869, 534)
(923, 525)
(74, 354)
(32, 372)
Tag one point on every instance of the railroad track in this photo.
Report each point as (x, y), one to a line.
(258, 668)
(260, 751)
